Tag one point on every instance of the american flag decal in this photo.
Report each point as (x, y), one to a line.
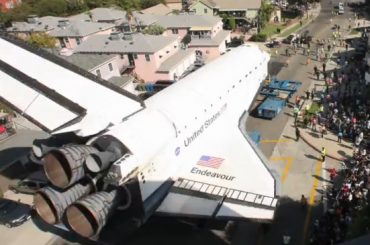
(211, 162)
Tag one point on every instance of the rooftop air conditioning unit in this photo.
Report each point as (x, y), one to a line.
(116, 36)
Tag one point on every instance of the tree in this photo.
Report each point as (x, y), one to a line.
(42, 40)
(154, 30)
(149, 3)
(186, 40)
(231, 22)
(51, 7)
(265, 13)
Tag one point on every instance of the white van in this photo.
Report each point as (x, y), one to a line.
(341, 10)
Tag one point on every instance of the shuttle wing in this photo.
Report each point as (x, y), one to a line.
(58, 96)
(224, 177)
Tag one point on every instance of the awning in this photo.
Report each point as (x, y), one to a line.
(201, 28)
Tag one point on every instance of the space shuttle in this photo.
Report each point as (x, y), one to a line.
(181, 152)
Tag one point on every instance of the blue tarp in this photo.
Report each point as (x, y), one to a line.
(270, 107)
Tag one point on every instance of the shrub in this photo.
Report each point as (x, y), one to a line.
(260, 37)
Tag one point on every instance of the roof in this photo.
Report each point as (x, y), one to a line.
(215, 41)
(232, 4)
(107, 14)
(187, 21)
(140, 43)
(88, 61)
(80, 17)
(42, 24)
(142, 19)
(173, 1)
(175, 60)
(159, 9)
(122, 80)
(80, 29)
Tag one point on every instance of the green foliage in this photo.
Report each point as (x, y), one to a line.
(42, 40)
(149, 3)
(187, 39)
(51, 7)
(76, 6)
(260, 37)
(265, 12)
(154, 30)
(231, 22)
(129, 5)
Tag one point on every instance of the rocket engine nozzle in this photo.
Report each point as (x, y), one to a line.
(65, 166)
(88, 215)
(50, 204)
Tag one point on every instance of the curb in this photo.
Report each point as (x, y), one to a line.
(318, 150)
(303, 26)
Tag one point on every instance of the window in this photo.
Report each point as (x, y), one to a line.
(175, 31)
(78, 41)
(147, 57)
(160, 56)
(110, 66)
(98, 73)
(62, 44)
(135, 56)
(205, 11)
(175, 46)
(167, 51)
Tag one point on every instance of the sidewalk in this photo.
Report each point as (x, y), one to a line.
(335, 150)
(313, 13)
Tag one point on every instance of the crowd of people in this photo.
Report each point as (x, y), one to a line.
(345, 111)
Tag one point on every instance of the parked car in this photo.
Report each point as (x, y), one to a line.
(306, 37)
(290, 39)
(30, 184)
(273, 43)
(13, 213)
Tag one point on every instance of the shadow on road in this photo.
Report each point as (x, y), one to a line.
(311, 156)
(321, 178)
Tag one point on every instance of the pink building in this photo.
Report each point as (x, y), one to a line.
(206, 33)
(151, 58)
(72, 34)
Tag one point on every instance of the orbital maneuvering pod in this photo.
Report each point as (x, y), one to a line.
(74, 172)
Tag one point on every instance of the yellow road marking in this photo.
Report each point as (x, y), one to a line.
(311, 200)
(277, 141)
(288, 164)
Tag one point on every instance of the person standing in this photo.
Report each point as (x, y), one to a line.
(297, 133)
(340, 136)
(323, 67)
(323, 131)
(323, 154)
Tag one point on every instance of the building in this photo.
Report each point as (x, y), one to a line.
(243, 10)
(150, 58)
(104, 66)
(159, 9)
(108, 15)
(34, 24)
(72, 34)
(174, 4)
(205, 32)
(6, 5)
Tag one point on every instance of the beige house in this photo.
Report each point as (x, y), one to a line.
(174, 4)
(240, 9)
